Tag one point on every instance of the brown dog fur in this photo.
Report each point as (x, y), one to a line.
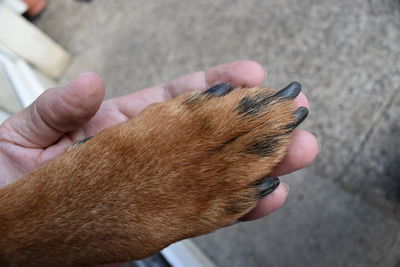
(179, 169)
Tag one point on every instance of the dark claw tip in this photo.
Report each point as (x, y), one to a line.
(219, 89)
(267, 186)
(80, 142)
(300, 114)
(290, 91)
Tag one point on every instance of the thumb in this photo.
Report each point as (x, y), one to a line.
(55, 112)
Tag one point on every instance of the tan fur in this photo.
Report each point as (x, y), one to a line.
(179, 169)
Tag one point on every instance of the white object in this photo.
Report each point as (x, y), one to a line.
(9, 101)
(3, 116)
(28, 42)
(24, 82)
(184, 254)
(18, 6)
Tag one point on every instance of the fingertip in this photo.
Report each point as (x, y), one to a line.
(302, 101)
(89, 85)
(84, 94)
(249, 68)
(302, 152)
(68, 107)
(268, 204)
(244, 73)
(307, 144)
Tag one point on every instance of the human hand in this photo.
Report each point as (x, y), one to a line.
(65, 115)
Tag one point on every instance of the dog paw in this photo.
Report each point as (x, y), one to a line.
(181, 168)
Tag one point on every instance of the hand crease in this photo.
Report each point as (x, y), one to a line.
(205, 83)
(36, 110)
(166, 89)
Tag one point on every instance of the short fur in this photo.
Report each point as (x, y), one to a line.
(179, 169)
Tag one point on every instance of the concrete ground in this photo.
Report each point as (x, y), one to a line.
(344, 209)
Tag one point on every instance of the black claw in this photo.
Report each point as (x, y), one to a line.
(300, 114)
(80, 142)
(290, 91)
(219, 89)
(267, 186)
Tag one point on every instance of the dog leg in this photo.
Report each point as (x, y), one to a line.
(179, 169)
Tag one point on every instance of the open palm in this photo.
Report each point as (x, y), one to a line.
(64, 115)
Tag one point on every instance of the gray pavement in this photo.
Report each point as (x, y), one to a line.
(321, 225)
(344, 209)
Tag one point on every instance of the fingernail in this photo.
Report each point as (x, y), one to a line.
(267, 186)
(290, 91)
(219, 89)
(286, 187)
(83, 73)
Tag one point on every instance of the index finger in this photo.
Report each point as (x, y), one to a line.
(240, 73)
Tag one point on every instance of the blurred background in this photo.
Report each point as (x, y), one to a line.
(344, 209)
